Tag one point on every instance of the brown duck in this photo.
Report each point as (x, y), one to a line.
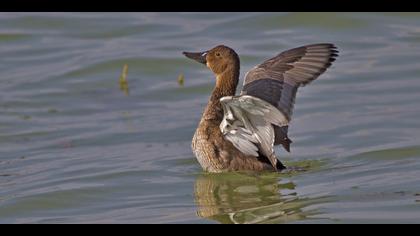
(238, 133)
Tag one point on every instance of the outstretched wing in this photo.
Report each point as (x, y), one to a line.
(278, 79)
(248, 124)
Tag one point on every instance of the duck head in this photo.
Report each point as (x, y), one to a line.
(219, 59)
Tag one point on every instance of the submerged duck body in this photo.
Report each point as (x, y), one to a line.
(238, 133)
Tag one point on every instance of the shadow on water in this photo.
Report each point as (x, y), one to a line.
(242, 199)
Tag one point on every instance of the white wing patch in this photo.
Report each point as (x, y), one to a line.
(248, 124)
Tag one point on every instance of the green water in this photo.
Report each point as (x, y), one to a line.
(75, 148)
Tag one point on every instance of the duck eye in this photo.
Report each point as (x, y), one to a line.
(218, 54)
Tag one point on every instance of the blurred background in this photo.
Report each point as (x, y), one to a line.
(97, 112)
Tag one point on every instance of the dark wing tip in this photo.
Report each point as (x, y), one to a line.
(332, 48)
(333, 56)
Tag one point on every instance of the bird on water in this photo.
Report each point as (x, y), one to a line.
(239, 132)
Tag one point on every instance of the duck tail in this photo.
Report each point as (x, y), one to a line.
(280, 166)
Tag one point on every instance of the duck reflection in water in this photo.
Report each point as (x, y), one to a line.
(241, 198)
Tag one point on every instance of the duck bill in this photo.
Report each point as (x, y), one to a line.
(197, 56)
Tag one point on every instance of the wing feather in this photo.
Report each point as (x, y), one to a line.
(248, 124)
(277, 80)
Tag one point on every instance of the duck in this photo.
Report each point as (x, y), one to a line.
(240, 132)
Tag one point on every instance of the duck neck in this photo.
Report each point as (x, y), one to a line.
(226, 84)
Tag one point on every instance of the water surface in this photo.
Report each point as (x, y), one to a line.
(75, 148)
